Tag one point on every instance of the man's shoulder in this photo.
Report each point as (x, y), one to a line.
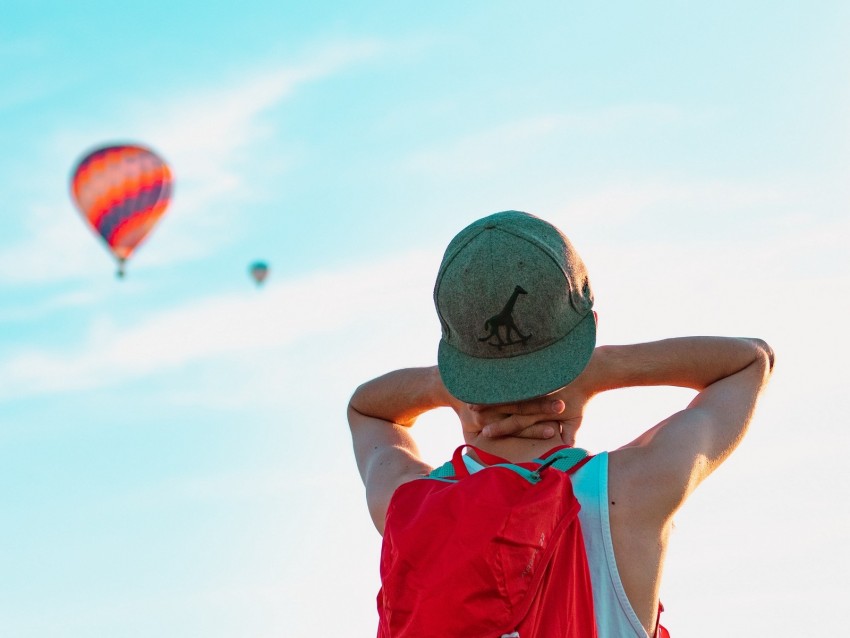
(643, 486)
(630, 464)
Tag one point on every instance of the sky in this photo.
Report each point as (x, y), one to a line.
(174, 455)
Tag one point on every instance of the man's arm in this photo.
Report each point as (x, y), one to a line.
(667, 462)
(663, 466)
(380, 414)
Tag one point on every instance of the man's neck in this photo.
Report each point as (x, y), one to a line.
(520, 450)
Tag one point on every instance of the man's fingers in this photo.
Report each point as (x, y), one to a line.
(544, 405)
(557, 406)
(504, 427)
(513, 424)
(542, 430)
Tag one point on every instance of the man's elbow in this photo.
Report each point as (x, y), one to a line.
(765, 355)
(352, 412)
(356, 399)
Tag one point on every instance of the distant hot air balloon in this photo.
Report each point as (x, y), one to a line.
(259, 271)
(122, 191)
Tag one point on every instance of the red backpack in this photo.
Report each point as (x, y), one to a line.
(494, 554)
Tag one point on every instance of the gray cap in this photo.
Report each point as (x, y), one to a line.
(514, 302)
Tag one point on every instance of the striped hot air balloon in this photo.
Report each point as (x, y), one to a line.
(122, 191)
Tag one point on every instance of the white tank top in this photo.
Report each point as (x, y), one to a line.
(615, 617)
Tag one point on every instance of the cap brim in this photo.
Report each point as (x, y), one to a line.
(505, 380)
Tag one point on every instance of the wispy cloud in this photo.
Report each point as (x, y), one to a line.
(206, 133)
(20, 85)
(227, 326)
(372, 317)
(53, 246)
(512, 143)
(48, 305)
(621, 200)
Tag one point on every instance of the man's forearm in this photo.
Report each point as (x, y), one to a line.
(690, 362)
(402, 395)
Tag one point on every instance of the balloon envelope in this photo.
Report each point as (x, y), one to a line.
(259, 271)
(122, 191)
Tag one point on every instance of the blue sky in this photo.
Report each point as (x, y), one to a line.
(175, 459)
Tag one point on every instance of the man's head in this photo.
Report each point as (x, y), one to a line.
(515, 308)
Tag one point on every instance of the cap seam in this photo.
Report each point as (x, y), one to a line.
(441, 273)
(539, 245)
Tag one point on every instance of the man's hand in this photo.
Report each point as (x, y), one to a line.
(538, 418)
(533, 419)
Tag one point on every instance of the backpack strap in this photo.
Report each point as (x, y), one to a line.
(460, 468)
(660, 632)
(445, 471)
(564, 458)
(528, 471)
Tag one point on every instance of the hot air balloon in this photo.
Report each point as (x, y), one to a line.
(122, 191)
(259, 271)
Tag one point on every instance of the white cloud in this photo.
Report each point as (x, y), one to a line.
(513, 143)
(49, 305)
(234, 325)
(205, 133)
(616, 202)
(374, 315)
(56, 246)
(485, 151)
(21, 86)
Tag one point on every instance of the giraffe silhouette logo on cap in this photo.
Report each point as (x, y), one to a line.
(503, 322)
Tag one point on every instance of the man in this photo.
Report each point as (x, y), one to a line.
(518, 363)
